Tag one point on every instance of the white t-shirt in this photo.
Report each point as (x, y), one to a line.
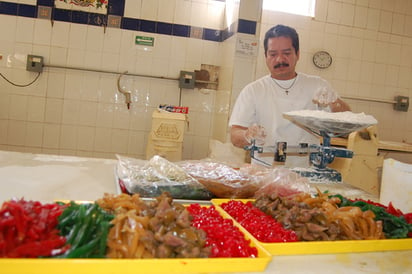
(263, 102)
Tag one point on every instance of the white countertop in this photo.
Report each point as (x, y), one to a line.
(50, 177)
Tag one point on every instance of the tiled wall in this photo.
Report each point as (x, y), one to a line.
(371, 45)
(82, 113)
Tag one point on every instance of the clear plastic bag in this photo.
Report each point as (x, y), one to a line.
(223, 180)
(152, 178)
(282, 182)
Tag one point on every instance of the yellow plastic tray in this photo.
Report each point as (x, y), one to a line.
(323, 247)
(125, 266)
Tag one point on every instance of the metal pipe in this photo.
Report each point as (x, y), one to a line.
(109, 71)
(129, 74)
(369, 99)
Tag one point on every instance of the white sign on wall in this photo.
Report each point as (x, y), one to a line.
(247, 47)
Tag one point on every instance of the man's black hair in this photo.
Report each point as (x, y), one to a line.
(282, 31)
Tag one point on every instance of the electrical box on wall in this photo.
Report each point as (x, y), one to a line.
(187, 79)
(34, 63)
(402, 103)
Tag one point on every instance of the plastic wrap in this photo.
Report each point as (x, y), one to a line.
(282, 182)
(224, 181)
(151, 178)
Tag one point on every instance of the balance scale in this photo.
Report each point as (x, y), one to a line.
(325, 125)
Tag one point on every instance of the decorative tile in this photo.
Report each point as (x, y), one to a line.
(181, 30)
(116, 7)
(147, 26)
(196, 32)
(62, 15)
(97, 19)
(8, 8)
(80, 17)
(246, 26)
(48, 3)
(130, 23)
(110, 13)
(94, 6)
(164, 28)
(212, 35)
(44, 12)
(27, 11)
(114, 21)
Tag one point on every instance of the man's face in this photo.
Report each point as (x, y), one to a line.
(281, 58)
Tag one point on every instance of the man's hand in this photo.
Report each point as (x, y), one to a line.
(257, 133)
(324, 97)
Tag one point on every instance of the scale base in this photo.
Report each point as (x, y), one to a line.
(319, 175)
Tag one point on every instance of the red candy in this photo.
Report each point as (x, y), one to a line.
(225, 239)
(262, 226)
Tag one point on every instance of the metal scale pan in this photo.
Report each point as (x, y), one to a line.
(331, 124)
(328, 125)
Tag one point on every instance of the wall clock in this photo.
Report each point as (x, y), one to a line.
(322, 59)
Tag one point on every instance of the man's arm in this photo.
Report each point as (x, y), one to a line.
(237, 136)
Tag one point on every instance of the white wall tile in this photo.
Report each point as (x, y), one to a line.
(391, 77)
(51, 136)
(334, 12)
(103, 140)
(149, 9)
(183, 12)
(121, 117)
(198, 14)
(132, 8)
(42, 32)
(373, 19)
(120, 141)
(166, 11)
(34, 135)
(71, 110)
(35, 109)
(53, 111)
(404, 80)
(95, 38)
(75, 57)
(24, 30)
(4, 124)
(18, 107)
(68, 137)
(60, 34)
(398, 23)
(385, 21)
(105, 115)
(16, 134)
(4, 105)
(55, 84)
(73, 85)
(8, 27)
(136, 144)
(361, 17)
(85, 138)
(87, 113)
(111, 40)
(348, 14)
(215, 15)
(58, 56)
(77, 36)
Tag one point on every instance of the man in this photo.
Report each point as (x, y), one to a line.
(258, 111)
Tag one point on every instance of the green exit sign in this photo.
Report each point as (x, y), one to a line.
(144, 41)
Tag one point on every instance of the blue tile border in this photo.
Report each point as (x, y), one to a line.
(116, 7)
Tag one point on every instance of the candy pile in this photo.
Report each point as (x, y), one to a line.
(262, 226)
(225, 239)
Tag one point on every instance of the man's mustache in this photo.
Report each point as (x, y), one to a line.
(281, 65)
